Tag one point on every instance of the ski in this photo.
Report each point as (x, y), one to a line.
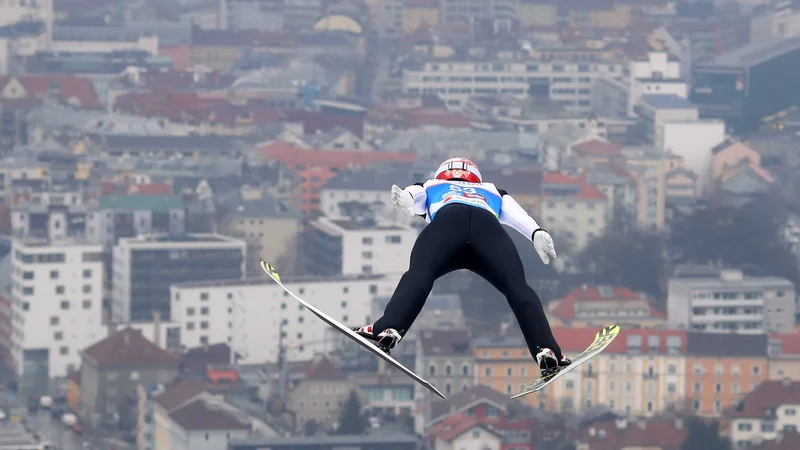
(603, 338)
(270, 270)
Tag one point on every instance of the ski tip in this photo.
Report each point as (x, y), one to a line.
(436, 391)
(271, 271)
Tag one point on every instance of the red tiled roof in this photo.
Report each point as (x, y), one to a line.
(597, 147)
(76, 91)
(657, 433)
(761, 402)
(587, 192)
(790, 342)
(128, 348)
(461, 401)
(565, 306)
(290, 156)
(203, 414)
(321, 368)
(421, 117)
(151, 189)
(179, 393)
(445, 342)
(787, 440)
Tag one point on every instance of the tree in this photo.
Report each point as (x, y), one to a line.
(351, 419)
(749, 238)
(634, 259)
(702, 435)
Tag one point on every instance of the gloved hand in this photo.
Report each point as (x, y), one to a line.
(543, 243)
(403, 200)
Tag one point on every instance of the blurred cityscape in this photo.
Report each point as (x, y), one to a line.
(152, 152)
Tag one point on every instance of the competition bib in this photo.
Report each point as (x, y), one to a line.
(481, 195)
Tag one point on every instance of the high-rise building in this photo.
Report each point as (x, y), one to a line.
(57, 292)
(146, 266)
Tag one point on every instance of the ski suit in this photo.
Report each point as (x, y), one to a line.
(465, 232)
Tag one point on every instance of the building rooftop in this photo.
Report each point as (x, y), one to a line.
(667, 101)
(727, 345)
(447, 343)
(129, 349)
(142, 202)
(365, 224)
(180, 238)
(731, 279)
(755, 53)
(231, 284)
(334, 441)
(209, 413)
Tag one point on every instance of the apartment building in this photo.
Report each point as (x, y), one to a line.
(769, 412)
(597, 306)
(367, 188)
(732, 302)
(649, 166)
(144, 268)
(641, 373)
(446, 359)
(126, 216)
(356, 246)
(51, 215)
(721, 368)
(564, 78)
(468, 11)
(57, 291)
(249, 313)
(784, 356)
(574, 206)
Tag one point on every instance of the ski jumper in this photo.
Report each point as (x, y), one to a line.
(465, 231)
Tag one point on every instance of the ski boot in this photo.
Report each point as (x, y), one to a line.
(385, 340)
(549, 363)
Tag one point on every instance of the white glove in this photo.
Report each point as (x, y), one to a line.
(403, 200)
(543, 243)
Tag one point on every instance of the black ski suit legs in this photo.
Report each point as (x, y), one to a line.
(467, 237)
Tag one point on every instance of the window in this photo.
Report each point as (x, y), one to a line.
(756, 370)
(488, 371)
(465, 370)
(64, 304)
(790, 412)
(27, 275)
(27, 291)
(671, 369)
(393, 239)
(366, 255)
(190, 325)
(87, 288)
(366, 241)
(634, 344)
(204, 296)
(53, 274)
(58, 335)
(87, 304)
(63, 350)
(60, 289)
(432, 370)
(87, 273)
(189, 311)
(204, 311)
(204, 340)
(54, 320)
(203, 325)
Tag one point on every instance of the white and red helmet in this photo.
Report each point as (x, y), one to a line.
(459, 168)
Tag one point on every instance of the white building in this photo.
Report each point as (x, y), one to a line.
(732, 302)
(57, 290)
(144, 267)
(569, 82)
(250, 315)
(352, 247)
(692, 140)
(573, 206)
(659, 73)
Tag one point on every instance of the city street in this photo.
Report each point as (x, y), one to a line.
(52, 430)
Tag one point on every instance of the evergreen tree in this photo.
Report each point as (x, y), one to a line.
(702, 435)
(351, 419)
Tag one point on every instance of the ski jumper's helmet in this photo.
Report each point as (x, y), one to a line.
(459, 168)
